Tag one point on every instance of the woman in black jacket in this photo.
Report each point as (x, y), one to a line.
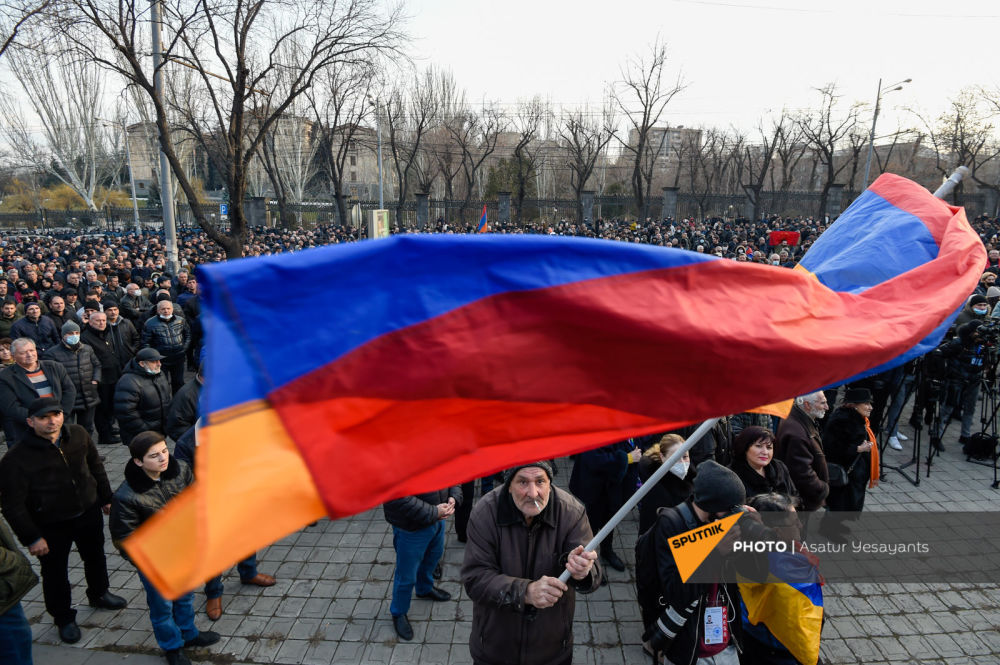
(754, 463)
(152, 478)
(848, 441)
(673, 488)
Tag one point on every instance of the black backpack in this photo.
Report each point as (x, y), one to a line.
(980, 446)
(647, 576)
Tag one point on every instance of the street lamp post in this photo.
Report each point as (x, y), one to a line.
(378, 132)
(871, 137)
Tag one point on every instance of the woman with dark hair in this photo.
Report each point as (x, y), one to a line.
(754, 463)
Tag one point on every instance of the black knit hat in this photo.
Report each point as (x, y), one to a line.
(718, 489)
(978, 299)
(541, 464)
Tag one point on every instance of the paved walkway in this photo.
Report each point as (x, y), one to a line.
(331, 602)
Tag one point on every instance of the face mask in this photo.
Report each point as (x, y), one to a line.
(164, 317)
(73, 340)
(980, 311)
(775, 263)
(680, 469)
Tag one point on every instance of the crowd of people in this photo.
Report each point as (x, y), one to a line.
(100, 345)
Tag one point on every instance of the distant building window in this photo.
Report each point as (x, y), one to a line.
(142, 185)
(354, 160)
(354, 175)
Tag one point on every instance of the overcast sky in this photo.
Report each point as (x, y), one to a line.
(741, 59)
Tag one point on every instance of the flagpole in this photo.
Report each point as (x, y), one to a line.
(702, 430)
(951, 183)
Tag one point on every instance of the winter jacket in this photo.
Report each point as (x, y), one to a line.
(139, 497)
(43, 332)
(845, 431)
(412, 513)
(800, 447)
(17, 393)
(170, 337)
(101, 342)
(132, 308)
(603, 479)
(41, 483)
(16, 575)
(669, 491)
(83, 368)
(965, 360)
(126, 340)
(669, 594)
(503, 555)
(142, 401)
(6, 324)
(59, 319)
(184, 409)
(775, 478)
(184, 447)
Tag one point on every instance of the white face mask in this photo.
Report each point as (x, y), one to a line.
(680, 469)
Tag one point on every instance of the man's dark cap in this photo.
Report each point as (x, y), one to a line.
(44, 405)
(148, 354)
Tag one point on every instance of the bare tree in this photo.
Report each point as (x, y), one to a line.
(288, 151)
(452, 107)
(642, 86)
(15, 17)
(252, 60)
(709, 164)
(527, 121)
(585, 139)
(759, 159)
(409, 116)
(475, 134)
(340, 106)
(965, 135)
(66, 95)
(825, 129)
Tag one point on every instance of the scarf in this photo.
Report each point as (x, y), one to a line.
(873, 475)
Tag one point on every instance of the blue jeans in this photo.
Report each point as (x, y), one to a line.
(15, 637)
(247, 569)
(173, 622)
(898, 400)
(417, 553)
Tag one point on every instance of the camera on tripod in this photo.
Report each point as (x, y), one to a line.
(989, 333)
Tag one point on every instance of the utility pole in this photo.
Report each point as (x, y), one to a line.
(166, 189)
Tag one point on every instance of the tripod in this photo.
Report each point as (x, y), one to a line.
(989, 424)
(897, 388)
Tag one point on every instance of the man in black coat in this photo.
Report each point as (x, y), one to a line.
(84, 371)
(134, 305)
(418, 538)
(98, 337)
(184, 408)
(800, 447)
(142, 396)
(603, 480)
(25, 381)
(126, 338)
(53, 489)
(170, 335)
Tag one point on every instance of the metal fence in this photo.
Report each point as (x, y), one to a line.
(265, 212)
